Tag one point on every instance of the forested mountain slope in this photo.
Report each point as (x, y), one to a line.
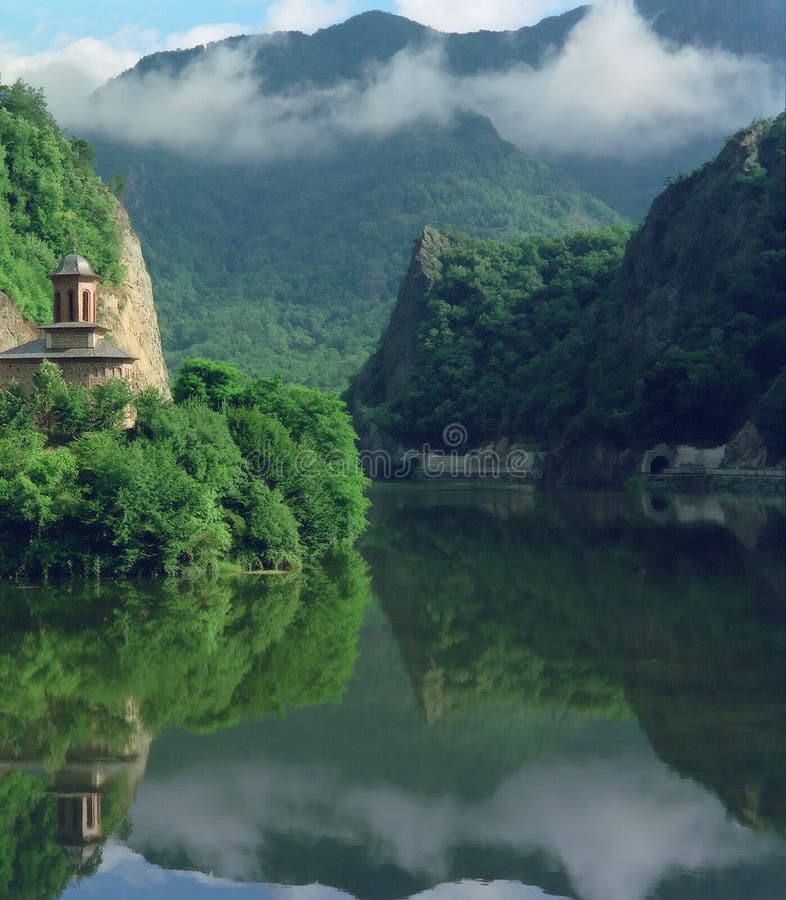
(292, 266)
(50, 202)
(568, 342)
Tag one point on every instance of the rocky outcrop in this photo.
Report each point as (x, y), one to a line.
(15, 329)
(388, 371)
(699, 234)
(128, 311)
(761, 442)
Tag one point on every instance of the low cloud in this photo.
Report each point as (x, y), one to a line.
(469, 15)
(615, 89)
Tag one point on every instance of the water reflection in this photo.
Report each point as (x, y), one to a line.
(582, 600)
(91, 672)
(567, 696)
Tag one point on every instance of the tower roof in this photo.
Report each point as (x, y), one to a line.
(74, 264)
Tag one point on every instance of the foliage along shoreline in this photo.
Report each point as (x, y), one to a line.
(237, 470)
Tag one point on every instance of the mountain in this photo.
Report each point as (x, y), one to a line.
(586, 341)
(751, 28)
(292, 266)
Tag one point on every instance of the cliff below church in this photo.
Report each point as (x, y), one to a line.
(127, 309)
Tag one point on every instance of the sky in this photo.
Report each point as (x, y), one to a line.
(614, 90)
(126, 875)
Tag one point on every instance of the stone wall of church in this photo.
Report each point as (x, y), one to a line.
(88, 374)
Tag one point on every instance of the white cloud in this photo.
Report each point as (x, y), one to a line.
(306, 15)
(616, 827)
(205, 34)
(471, 15)
(485, 890)
(70, 72)
(617, 89)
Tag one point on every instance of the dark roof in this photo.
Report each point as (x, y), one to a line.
(34, 350)
(75, 326)
(74, 264)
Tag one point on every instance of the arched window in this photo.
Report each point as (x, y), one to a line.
(86, 305)
(58, 307)
(73, 312)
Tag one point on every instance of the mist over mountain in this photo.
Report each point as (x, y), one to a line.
(284, 176)
(598, 81)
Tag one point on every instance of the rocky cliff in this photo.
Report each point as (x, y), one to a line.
(14, 327)
(708, 242)
(127, 309)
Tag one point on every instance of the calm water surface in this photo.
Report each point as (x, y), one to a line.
(501, 696)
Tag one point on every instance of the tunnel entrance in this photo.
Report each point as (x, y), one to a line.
(659, 464)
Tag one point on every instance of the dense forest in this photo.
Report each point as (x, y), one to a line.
(292, 266)
(240, 468)
(50, 202)
(246, 470)
(675, 334)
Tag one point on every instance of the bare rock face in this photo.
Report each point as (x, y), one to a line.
(387, 372)
(128, 311)
(761, 442)
(703, 227)
(15, 329)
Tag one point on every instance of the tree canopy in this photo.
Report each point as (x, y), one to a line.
(50, 202)
(253, 472)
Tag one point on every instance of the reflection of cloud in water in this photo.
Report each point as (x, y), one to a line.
(479, 890)
(617, 828)
(124, 873)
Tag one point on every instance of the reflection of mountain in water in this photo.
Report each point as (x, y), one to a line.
(89, 673)
(584, 600)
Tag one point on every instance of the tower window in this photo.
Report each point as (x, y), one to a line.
(72, 310)
(86, 305)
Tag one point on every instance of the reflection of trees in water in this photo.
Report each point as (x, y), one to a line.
(88, 673)
(588, 603)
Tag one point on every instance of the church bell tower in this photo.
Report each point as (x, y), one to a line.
(75, 290)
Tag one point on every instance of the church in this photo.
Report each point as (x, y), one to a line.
(74, 340)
